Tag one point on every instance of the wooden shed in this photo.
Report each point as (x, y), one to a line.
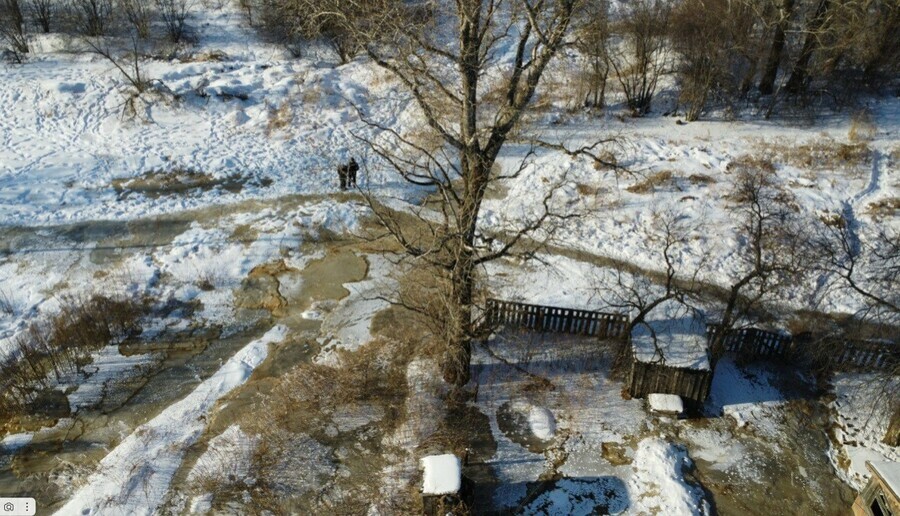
(671, 356)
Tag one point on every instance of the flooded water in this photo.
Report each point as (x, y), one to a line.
(273, 293)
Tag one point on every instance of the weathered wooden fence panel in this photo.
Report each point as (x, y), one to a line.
(835, 353)
(648, 378)
(556, 319)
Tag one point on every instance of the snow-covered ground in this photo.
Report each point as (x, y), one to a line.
(281, 126)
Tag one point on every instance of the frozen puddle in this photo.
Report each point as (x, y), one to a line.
(134, 478)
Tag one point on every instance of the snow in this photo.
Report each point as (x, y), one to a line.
(860, 425)
(13, 442)
(744, 394)
(226, 459)
(658, 485)
(542, 423)
(672, 336)
(890, 473)
(443, 474)
(134, 477)
(665, 403)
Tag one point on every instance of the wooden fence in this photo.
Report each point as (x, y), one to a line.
(851, 353)
(833, 353)
(691, 384)
(556, 319)
(754, 342)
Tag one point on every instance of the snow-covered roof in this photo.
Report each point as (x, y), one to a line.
(889, 472)
(668, 403)
(443, 474)
(680, 337)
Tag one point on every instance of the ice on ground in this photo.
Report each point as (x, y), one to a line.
(542, 423)
(93, 381)
(672, 336)
(349, 324)
(744, 394)
(442, 474)
(134, 477)
(665, 403)
(658, 485)
(226, 459)
(13, 442)
(860, 426)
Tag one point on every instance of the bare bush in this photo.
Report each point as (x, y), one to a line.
(42, 13)
(644, 58)
(139, 15)
(174, 14)
(593, 33)
(92, 17)
(12, 27)
(707, 36)
(52, 348)
(142, 90)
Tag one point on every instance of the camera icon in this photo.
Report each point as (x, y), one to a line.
(17, 507)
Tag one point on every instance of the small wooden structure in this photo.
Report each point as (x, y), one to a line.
(880, 496)
(691, 384)
(671, 356)
(556, 319)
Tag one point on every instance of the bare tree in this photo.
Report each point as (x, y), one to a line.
(667, 241)
(449, 86)
(592, 42)
(643, 61)
(174, 14)
(774, 251)
(42, 13)
(709, 37)
(139, 15)
(783, 14)
(12, 27)
(92, 17)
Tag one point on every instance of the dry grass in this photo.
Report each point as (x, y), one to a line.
(209, 56)
(748, 162)
(176, 181)
(884, 208)
(280, 117)
(823, 153)
(652, 183)
(60, 345)
(862, 127)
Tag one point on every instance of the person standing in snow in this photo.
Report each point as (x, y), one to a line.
(352, 169)
(342, 176)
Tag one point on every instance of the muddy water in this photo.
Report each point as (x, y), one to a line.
(791, 475)
(68, 452)
(321, 282)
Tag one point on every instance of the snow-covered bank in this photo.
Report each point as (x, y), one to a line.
(134, 478)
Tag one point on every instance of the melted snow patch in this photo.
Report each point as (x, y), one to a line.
(134, 478)
(658, 486)
(542, 423)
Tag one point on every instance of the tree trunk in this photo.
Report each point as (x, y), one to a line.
(770, 72)
(892, 437)
(800, 73)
